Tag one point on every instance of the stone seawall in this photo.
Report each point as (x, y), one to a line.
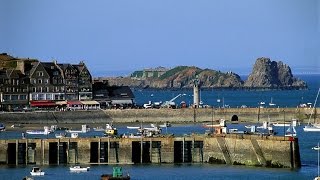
(158, 115)
(231, 149)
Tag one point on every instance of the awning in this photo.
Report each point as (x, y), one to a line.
(60, 103)
(122, 101)
(90, 102)
(42, 103)
(74, 103)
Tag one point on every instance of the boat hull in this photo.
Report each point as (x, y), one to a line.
(37, 173)
(110, 177)
(311, 129)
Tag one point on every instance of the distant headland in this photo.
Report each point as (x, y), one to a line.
(266, 74)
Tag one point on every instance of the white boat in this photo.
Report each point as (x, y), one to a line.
(46, 131)
(249, 126)
(317, 148)
(36, 171)
(262, 103)
(74, 135)
(60, 135)
(98, 129)
(164, 125)
(276, 124)
(271, 103)
(133, 127)
(79, 168)
(84, 129)
(291, 132)
(312, 127)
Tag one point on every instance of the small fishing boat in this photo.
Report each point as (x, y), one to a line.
(317, 148)
(36, 171)
(79, 169)
(164, 125)
(291, 132)
(116, 175)
(315, 127)
(74, 135)
(133, 127)
(277, 124)
(46, 131)
(84, 129)
(60, 135)
(98, 129)
(110, 130)
(2, 127)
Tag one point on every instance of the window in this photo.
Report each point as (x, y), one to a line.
(41, 97)
(40, 81)
(55, 73)
(14, 97)
(40, 73)
(23, 97)
(48, 96)
(46, 81)
(6, 97)
(34, 81)
(34, 89)
(34, 97)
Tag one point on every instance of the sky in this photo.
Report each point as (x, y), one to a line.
(117, 37)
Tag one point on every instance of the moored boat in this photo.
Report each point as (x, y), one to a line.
(133, 127)
(317, 148)
(2, 127)
(116, 175)
(36, 171)
(315, 127)
(84, 129)
(277, 124)
(46, 131)
(60, 135)
(79, 169)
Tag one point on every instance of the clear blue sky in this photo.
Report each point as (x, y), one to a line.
(119, 36)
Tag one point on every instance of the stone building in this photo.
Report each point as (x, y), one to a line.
(33, 83)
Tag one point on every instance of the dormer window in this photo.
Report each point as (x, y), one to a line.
(40, 73)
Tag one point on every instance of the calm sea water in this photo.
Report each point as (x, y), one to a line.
(237, 98)
(199, 171)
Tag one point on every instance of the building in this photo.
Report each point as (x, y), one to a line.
(29, 82)
(112, 96)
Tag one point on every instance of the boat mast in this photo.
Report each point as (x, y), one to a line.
(318, 160)
(314, 107)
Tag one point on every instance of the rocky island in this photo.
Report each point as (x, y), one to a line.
(266, 74)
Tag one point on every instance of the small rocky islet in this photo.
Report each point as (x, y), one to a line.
(266, 74)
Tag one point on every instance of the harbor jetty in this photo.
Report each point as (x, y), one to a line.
(233, 149)
(183, 115)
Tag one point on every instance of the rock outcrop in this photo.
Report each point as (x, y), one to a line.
(267, 74)
(182, 77)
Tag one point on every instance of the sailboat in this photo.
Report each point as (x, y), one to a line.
(291, 131)
(271, 103)
(313, 127)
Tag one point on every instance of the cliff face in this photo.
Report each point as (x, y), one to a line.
(272, 75)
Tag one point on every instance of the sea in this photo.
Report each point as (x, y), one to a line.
(231, 98)
(236, 98)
